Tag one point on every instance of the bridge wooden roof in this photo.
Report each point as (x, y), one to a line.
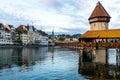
(100, 34)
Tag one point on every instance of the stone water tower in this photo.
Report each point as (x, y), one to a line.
(99, 19)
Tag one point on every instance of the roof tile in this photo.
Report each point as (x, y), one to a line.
(99, 11)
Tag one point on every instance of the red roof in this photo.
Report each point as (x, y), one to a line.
(21, 29)
(99, 11)
(42, 33)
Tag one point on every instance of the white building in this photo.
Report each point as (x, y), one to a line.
(5, 41)
(23, 34)
(2, 31)
(43, 37)
(37, 37)
(5, 34)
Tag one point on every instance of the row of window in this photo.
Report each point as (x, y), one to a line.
(3, 40)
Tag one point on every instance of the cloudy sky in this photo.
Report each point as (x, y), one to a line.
(64, 16)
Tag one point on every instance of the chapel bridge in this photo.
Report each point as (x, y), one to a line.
(99, 34)
(90, 44)
(97, 38)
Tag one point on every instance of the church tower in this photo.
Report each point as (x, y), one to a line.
(99, 19)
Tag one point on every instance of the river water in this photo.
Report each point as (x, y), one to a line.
(44, 63)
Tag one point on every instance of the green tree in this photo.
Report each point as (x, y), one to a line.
(62, 38)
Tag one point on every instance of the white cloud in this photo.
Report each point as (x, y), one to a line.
(65, 15)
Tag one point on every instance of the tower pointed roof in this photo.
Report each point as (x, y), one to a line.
(99, 11)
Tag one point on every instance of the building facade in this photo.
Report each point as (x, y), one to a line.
(5, 34)
(23, 32)
(25, 35)
(31, 34)
(43, 38)
(2, 32)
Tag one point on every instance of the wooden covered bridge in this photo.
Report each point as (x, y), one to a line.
(101, 38)
(99, 34)
(98, 38)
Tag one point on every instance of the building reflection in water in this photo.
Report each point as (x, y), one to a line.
(21, 56)
(5, 57)
(51, 50)
(94, 64)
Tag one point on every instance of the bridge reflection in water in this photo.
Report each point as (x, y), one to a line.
(95, 64)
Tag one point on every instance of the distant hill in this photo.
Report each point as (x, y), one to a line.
(69, 36)
(76, 35)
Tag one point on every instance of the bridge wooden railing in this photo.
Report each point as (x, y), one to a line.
(91, 44)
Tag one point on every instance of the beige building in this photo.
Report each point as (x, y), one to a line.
(23, 34)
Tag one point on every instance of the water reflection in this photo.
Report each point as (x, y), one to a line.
(21, 56)
(5, 57)
(95, 64)
(43, 63)
(56, 63)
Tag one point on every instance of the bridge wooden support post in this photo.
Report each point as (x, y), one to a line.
(107, 56)
(117, 56)
(93, 53)
(80, 65)
(80, 55)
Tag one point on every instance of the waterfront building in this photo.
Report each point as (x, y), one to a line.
(12, 30)
(99, 26)
(37, 37)
(5, 34)
(16, 37)
(51, 39)
(9, 29)
(43, 38)
(31, 34)
(2, 32)
(23, 34)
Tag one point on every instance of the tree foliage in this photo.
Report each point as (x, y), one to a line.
(61, 38)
